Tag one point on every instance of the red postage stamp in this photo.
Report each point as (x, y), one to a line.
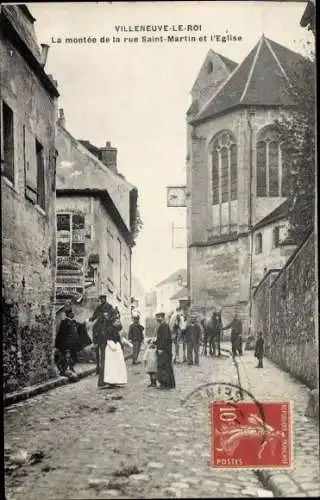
(247, 435)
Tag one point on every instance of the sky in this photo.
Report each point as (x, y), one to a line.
(136, 94)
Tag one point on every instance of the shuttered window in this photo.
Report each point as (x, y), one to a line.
(41, 197)
(30, 165)
(7, 142)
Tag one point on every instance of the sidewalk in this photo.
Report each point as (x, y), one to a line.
(272, 384)
(82, 369)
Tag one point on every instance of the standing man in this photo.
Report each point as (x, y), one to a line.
(183, 326)
(165, 375)
(176, 334)
(103, 312)
(193, 336)
(136, 336)
(67, 342)
(236, 336)
(217, 326)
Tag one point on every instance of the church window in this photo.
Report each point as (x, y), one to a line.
(271, 165)
(224, 168)
(210, 67)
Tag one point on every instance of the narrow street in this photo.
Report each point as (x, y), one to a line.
(145, 444)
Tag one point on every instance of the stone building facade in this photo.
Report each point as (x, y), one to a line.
(237, 172)
(28, 117)
(95, 210)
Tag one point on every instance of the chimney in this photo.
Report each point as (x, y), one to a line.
(109, 157)
(44, 54)
(61, 120)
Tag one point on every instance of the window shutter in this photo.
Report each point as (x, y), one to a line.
(30, 165)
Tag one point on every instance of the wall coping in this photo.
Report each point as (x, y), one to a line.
(265, 278)
(295, 254)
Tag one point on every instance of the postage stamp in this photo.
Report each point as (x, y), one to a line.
(243, 437)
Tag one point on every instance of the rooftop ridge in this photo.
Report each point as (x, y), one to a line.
(254, 62)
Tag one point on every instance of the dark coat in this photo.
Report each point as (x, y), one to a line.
(67, 336)
(259, 349)
(236, 329)
(136, 332)
(84, 338)
(193, 333)
(100, 324)
(164, 339)
(165, 375)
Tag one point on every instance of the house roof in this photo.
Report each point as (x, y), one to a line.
(278, 213)
(85, 173)
(174, 277)
(17, 23)
(181, 294)
(265, 77)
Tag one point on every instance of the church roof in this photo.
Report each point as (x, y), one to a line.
(265, 77)
(278, 213)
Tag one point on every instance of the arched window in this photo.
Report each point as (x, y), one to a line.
(272, 179)
(224, 168)
(210, 67)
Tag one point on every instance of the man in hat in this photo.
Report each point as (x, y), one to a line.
(67, 342)
(136, 336)
(102, 315)
(236, 336)
(193, 336)
(165, 375)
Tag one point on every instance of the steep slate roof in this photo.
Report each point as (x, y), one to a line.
(278, 213)
(230, 64)
(265, 77)
(174, 277)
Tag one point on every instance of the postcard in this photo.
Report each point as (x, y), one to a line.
(159, 250)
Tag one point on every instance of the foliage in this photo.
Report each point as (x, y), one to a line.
(297, 131)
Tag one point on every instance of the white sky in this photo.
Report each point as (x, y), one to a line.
(136, 95)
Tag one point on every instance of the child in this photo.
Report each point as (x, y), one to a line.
(258, 352)
(150, 361)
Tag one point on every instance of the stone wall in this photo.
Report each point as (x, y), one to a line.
(28, 231)
(284, 309)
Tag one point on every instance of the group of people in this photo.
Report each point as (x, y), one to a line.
(159, 356)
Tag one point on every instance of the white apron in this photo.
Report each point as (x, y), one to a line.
(115, 370)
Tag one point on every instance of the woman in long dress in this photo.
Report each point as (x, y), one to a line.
(165, 374)
(113, 371)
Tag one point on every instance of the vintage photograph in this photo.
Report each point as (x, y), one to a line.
(159, 250)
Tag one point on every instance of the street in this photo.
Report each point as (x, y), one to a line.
(143, 445)
(128, 443)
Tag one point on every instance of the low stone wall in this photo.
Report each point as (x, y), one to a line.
(284, 309)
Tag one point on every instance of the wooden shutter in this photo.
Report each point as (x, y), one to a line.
(30, 164)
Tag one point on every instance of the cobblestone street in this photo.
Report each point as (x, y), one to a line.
(145, 444)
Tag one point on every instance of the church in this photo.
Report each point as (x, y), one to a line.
(237, 176)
